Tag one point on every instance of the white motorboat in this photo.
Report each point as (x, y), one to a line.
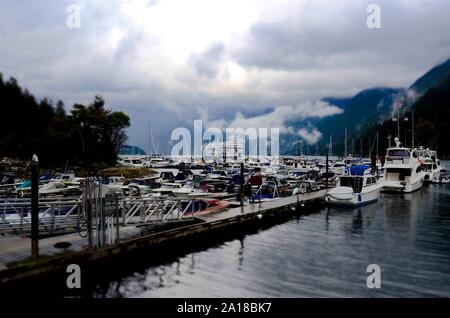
(439, 174)
(338, 168)
(130, 162)
(157, 162)
(356, 187)
(185, 190)
(402, 170)
(427, 163)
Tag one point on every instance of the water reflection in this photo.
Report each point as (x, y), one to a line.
(241, 254)
(357, 222)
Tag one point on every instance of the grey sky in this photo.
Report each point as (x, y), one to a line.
(172, 61)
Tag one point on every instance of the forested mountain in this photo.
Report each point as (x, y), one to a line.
(372, 109)
(431, 78)
(431, 121)
(89, 136)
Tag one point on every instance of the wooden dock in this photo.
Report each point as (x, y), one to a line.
(15, 252)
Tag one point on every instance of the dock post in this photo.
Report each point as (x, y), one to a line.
(34, 207)
(241, 187)
(326, 169)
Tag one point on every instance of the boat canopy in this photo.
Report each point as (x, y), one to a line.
(359, 170)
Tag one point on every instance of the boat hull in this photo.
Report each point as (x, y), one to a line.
(398, 186)
(354, 199)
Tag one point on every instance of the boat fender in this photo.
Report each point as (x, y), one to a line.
(359, 197)
(259, 216)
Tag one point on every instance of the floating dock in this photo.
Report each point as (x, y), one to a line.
(59, 251)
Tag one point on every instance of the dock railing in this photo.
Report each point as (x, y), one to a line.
(156, 209)
(55, 215)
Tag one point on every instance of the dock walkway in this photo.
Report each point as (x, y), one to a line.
(16, 250)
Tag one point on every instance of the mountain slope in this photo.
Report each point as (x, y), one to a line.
(431, 118)
(368, 106)
(432, 113)
(371, 108)
(431, 78)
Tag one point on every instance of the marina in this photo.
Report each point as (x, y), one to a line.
(226, 149)
(114, 217)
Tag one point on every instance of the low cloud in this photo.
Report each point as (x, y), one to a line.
(170, 61)
(310, 134)
(281, 117)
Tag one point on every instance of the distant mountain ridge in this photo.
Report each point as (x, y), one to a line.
(431, 118)
(431, 78)
(366, 109)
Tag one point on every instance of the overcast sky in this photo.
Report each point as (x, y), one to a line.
(228, 62)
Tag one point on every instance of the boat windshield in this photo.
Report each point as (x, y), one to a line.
(397, 153)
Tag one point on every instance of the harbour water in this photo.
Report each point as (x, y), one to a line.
(321, 254)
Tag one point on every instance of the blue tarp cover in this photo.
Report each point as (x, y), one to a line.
(358, 170)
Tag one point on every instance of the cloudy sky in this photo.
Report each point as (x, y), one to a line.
(228, 62)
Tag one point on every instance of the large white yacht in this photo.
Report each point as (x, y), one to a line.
(356, 187)
(402, 170)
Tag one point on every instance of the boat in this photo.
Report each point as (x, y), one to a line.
(187, 188)
(438, 173)
(351, 161)
(443, 178)
(268, 191)
(167, 188)
(157, 162)
(427, 163)
(65, 177)
(200, 207)
(58, 188)
(130, 162)
(305, 186)
(338, 168)
(402, 170)
(356, 187)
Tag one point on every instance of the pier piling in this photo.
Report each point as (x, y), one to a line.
(34, 207)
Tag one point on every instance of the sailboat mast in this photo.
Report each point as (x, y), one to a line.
(398, 121)
(301, 148)
(360, 147)
(412, 132)
(149, 139)
(345, 149)
(331, 146)
(377, 146)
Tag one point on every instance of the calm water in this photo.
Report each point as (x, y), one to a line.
(323, 254)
